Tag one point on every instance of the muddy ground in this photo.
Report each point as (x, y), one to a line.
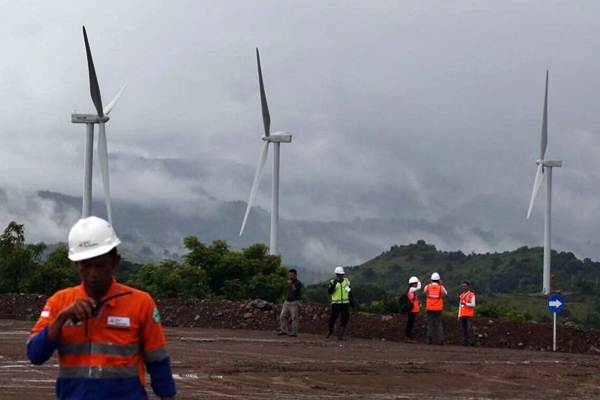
(246, 364)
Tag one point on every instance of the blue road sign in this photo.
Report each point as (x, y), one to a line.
(556, 303)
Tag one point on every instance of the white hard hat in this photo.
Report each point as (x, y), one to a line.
(339, 270)
(91, 237)
(413, 279)
(435, 276)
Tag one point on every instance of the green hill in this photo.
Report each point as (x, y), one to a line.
(508, 283)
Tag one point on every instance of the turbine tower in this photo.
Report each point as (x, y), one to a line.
(545, 168)
(276, 138)
(100, 118)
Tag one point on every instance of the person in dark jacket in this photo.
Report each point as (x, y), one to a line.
(341, 300)
(290, 311)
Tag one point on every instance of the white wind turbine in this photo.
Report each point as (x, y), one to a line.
(90, 119)
(545, 167)
(276, 138)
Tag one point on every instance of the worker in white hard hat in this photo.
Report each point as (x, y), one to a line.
(341, 301)
(434, 305)
(414, 285)
(107, 334)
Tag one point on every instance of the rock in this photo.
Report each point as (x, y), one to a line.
(386, 318)
(261, 304)
(197, 317)
(570, 324)
(491, 321)
(247, 315)
(520, 344)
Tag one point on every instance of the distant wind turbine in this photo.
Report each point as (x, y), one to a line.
(90, 119)
(545, 167)
(276, 138)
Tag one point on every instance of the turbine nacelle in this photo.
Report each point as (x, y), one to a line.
(552, 164)
(278, 137)
(549, 163)
(88, 119)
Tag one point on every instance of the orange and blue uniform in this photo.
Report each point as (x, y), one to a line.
(104, 357)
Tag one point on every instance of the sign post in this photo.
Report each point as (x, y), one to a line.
(555, 304)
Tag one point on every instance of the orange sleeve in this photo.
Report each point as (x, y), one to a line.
(152, 335)
(49, 312)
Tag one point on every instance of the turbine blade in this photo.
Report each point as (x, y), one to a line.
(536, 187)
(263, 98)
(94, 88)
(545, 123)
(103, 159)
(259, 171)
(110, 105)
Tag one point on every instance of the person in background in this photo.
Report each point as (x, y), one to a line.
(341, 300)
(466, 312)
(434, 306)
(414, 285)
(290, 311)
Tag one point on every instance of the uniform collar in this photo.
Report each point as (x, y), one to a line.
(115, 288)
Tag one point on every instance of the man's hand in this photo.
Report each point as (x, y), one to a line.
(79, 310)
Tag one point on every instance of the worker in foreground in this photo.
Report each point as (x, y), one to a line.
(466, 312)
(414, 285)
(105, 332)
(290, 311)
(434, 305)
(341, 301)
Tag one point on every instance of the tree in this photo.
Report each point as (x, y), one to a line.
(18, 261)
(57, 272)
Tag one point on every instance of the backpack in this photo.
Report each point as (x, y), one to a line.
(405, 304)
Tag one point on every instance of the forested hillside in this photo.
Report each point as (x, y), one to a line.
(508, 283)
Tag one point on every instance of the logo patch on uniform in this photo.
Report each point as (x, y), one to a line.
(156, 315)
(45, 314)
(118, 322)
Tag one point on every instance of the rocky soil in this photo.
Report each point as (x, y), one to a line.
(261, 315)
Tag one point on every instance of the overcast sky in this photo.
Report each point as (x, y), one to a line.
(397, 108)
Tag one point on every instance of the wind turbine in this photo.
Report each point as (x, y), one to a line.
(276, 138)
(90, 119)
(545, 168)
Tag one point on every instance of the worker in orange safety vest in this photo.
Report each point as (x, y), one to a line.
(107, 334)
(466, 312)
(434, 305)
(414, 285)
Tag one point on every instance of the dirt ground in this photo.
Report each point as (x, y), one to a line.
(245, 364)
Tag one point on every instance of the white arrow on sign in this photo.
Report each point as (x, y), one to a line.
(555, 303)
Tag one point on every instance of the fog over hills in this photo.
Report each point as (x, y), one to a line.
(194, 197)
